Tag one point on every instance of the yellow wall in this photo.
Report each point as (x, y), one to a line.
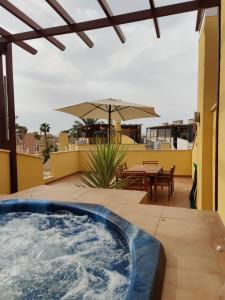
(165, 146)
(64, 163)
(207, 97)
(63, 141)
(127, 147)
(167, 158)
(117, 127)
(29, 171)
(221, 158)
(4, 172)
(126, 140)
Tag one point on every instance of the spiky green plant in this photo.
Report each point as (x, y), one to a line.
(100, 171)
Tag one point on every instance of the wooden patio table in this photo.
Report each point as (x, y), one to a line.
(151, 171)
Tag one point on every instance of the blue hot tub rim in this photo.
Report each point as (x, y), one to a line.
(147, 254)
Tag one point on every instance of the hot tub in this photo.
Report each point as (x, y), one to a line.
(61, 250)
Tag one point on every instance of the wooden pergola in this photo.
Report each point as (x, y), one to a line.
(7, 107)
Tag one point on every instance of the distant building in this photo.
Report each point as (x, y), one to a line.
(179, 135)
(101, 131)
(34, 144)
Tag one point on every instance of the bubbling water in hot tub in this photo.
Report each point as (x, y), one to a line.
(61, 256)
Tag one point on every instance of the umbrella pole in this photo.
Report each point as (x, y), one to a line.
(109, 123)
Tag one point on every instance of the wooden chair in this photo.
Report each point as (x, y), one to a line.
(165, 179)
(123, 166)
(150, 162)
(171, 171)
(119, 173)
(138, 181)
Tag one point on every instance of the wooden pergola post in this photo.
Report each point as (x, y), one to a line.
(11, 118)
(7, 113)
(3, 134)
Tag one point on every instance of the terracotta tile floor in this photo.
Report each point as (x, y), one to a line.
(180, 198)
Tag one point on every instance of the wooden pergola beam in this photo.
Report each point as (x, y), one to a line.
(69, 20)
(29, 22)
(200, 17)
(108, 12)
(159, 12)
(156, 24)
(22, 45)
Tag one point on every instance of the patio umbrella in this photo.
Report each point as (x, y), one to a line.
(110, 109)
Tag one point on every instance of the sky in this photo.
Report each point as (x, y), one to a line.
(145, 70)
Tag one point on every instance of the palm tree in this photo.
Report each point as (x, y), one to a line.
(45, 128)
(90, 121)
(80, 123)
(20, 132)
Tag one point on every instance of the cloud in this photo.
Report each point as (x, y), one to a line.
(160, 72)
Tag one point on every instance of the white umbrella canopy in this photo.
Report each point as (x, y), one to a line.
(110, 109)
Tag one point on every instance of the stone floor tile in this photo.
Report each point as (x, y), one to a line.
(182, 284)
(196, 255)
(149, 226)
(183, 213)
(183, 228)
(141, 210)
